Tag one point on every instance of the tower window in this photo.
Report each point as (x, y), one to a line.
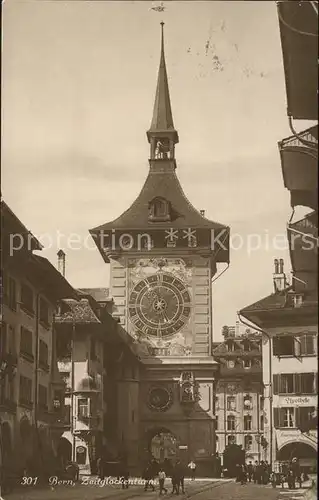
(159, 210)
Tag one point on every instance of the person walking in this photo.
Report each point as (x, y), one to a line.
(192, 467)
(255, 472)
(149, 480)
(161, 480)
(181, 475)
(175, 480)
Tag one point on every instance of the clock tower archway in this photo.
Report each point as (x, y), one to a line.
(162, 261)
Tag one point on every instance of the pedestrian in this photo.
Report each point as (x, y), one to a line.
(273, 479)
(175, 480)
(250, 471)
(149, 480)
(181, 475)
(255, 472)
(99, 464)
(243, 475)
(161, 480)
(192, 467)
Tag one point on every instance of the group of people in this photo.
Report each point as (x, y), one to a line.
(176, 471)
(261, 473)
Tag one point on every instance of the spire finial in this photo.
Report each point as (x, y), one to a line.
(162, 121)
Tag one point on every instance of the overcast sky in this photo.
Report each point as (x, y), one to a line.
(79, 80)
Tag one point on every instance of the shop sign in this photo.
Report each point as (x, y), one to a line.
(297, 401)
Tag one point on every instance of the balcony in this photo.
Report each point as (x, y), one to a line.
(7, 405)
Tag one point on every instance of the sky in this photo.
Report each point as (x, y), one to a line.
(78, 85)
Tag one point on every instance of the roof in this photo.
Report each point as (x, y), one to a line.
(55, 281)
(18, 227)
(298, 23)
(277, 301)
(160, 183)
(77, 311)
(162, 114)
(98, 294)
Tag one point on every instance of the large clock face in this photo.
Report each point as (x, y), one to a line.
(159, 305)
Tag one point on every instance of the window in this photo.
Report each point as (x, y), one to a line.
(262, 422)
(248, 442)
(231, 440)
(247, 422)
(44, 312)
(231, 423)
(287, 385)
(26, 343)
(295, 383)
(307, 345)
(246, 345)
(262, 403)
(287, 345)
(247, 363)
(307, 383)
(43, 355)
(83, 408)
(284, 417)
(25, 390)
(248, 402)
(27, 299)
(306, 418)
(159, 210)
(231, 403)
(216, 403)
(12, 294)
(216, 423)
(288, 417)
(43, 397)
(230, 346)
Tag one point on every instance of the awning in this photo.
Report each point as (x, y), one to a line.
(299, 39)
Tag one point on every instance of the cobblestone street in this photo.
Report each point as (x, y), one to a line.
(199, 490)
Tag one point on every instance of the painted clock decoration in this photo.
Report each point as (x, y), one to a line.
(160, 398)
(159, 305)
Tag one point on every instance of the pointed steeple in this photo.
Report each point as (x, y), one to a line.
(162, 126)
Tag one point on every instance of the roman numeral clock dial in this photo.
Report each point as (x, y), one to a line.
(159, 305)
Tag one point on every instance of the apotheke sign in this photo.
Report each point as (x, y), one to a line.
(298, 401)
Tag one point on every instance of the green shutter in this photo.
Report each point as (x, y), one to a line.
(276, 384)
(276, 418)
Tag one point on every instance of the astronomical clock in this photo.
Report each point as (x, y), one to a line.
(159, 305)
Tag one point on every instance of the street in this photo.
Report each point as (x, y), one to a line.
(199, 490)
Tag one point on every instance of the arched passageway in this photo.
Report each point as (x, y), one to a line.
(64, 451)
(306, 453)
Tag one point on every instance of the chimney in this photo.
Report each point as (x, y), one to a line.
(61, 262)
(202, 212)
(279, 276)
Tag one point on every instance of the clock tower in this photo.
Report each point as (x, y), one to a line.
(163, 254)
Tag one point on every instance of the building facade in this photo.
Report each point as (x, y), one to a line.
(239, 403)
(31, 391)
(288, 317)
(94, 361)
(161, 265)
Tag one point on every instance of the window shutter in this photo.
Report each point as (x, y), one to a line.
(275, 346)
(297, 346)
(298, 417)
(276, 418)
(276, 384)
(309, 347)
(297, 383)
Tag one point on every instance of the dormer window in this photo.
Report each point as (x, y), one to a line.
(159, 210)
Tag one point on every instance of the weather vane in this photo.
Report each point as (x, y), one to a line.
(158, 8)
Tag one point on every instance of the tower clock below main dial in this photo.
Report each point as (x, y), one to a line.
(159, 305)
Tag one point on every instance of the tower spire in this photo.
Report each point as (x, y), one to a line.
(162, 126)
